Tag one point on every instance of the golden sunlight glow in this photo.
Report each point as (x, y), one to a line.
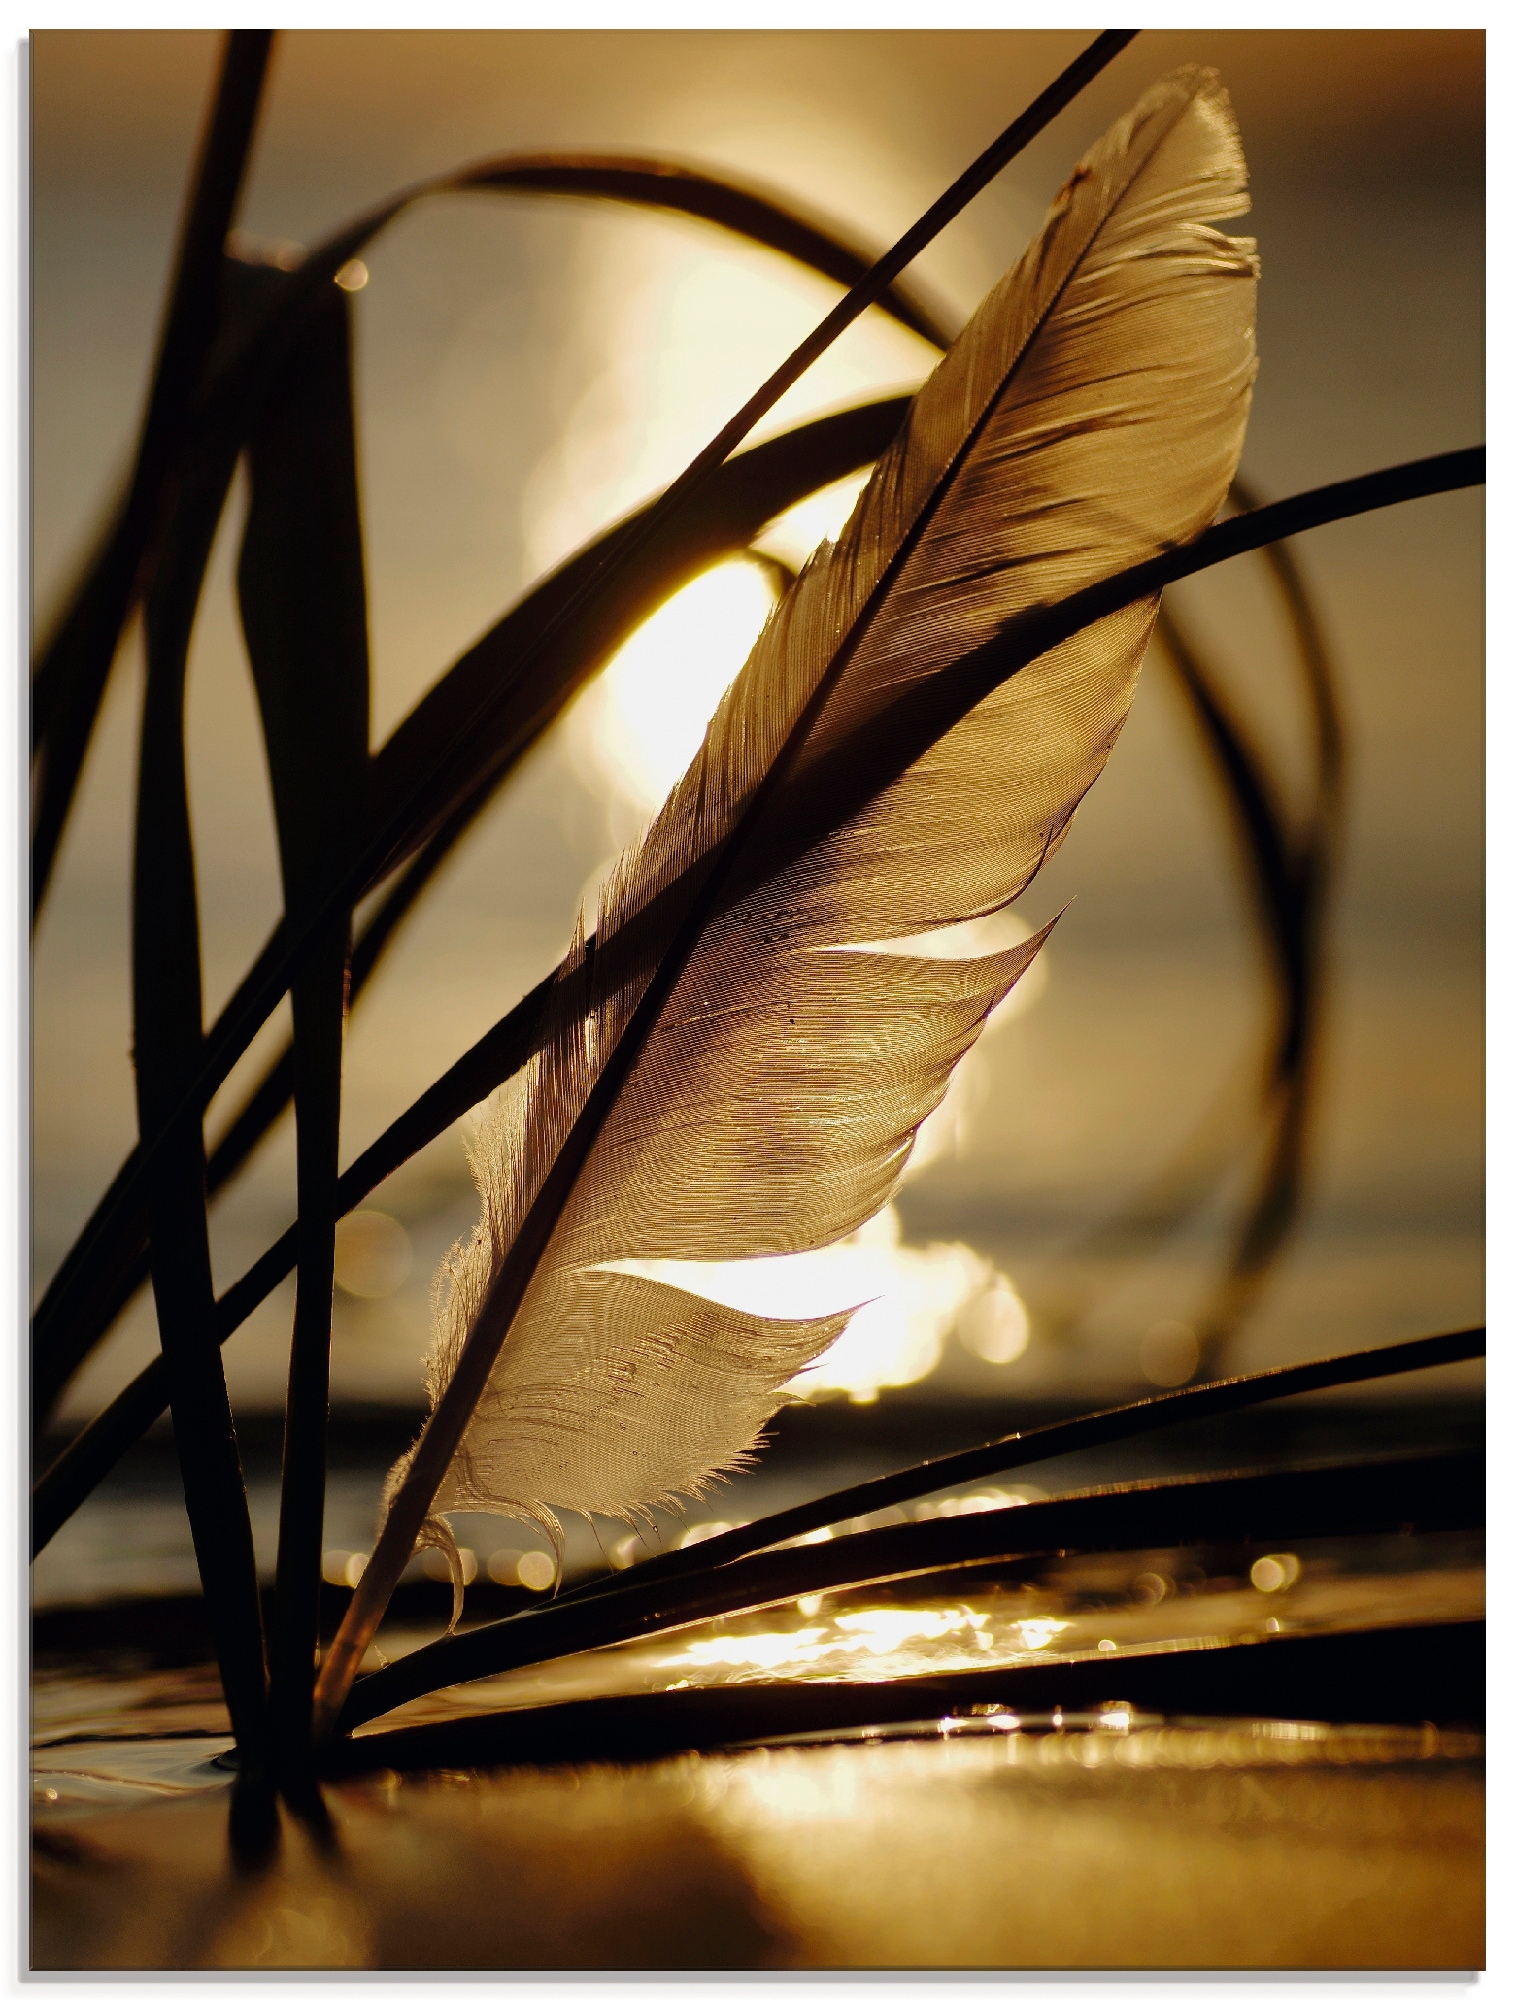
(667, 334)
(908, 1300)
(876, 1634)
(1275, 1572)
(820, 517)
(996, 1326)
(373, 1254)
(641, 722)
(637, 728)
(883, 1630)
(1039, 1632)
(884, 1641)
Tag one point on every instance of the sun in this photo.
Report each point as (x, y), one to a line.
(641, 723)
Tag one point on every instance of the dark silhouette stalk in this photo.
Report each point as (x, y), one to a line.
(1035, 1447)
(70, 678)
(166, 994)
(1432, 1492)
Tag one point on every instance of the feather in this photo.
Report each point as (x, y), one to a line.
(1089, 416)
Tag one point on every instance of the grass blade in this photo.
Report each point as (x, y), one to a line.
(1433, 1492)
(1314, 857)
(75, 663)
(1083, 1433)
(683, 190)
(304, 613)
(1289, 872)
(167, 1031)
(1408, 1674)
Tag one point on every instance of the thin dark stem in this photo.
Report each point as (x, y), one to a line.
(318, 1003)
(166, 996)
(681, 190)
(302, 594)
(1274, 1203)
(1406, 1675)
(75, 664)
(1035, 1447)
(1432, 1492)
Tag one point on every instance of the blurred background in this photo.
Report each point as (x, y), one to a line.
(530, 369)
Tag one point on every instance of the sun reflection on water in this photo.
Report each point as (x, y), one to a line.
(909, 1300)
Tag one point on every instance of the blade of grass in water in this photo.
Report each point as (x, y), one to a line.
(302, 593)
(1082, 1433)
(1274, 1204)
(1430, 1492)
(1285, 907)
(1289, 876)
(1406, 1675)
(166, 999)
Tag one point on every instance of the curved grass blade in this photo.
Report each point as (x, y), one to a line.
(644, 182)
(1273, 1207)
(1289, 872)
(511, 1040)
(1431, 1492)
(304, 614)
(105, 1265)
(1035, 1447)
(1283, 883)
(166, 997)
(249, 360)
(74, 665)
(1249, 792)
(101, 605)
(1407, 1675)
(1318, 669)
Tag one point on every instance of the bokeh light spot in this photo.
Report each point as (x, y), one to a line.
(373, 1254)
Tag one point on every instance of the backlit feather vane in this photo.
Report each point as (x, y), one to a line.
(1090, 416)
